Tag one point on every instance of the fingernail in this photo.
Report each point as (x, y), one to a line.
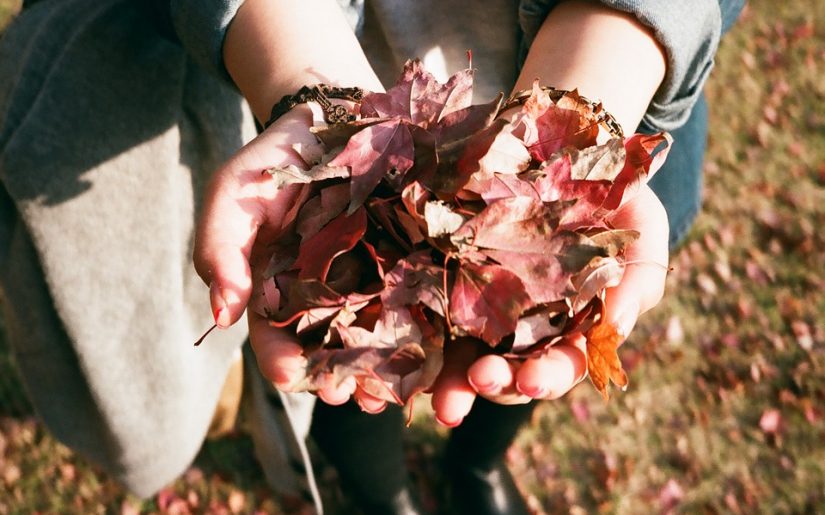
(491, 387)
(222, 318)
(626, 321)
(221, 313)
(451, 425)
(373, 412)
(536, 392)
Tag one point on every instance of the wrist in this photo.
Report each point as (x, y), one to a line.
(272, 49)
(608, 55)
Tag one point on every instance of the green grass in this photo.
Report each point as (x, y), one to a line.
(740, 333)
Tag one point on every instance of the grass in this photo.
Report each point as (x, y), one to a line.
(725, 408)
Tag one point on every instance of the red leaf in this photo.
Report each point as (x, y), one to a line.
(543, 270)
(487, 301)
(415, 279)
(517, 223)
(642, 162)
(373, 153)
(419, 98)
(461, 124)
(547, 127)
(322, 208)
(338, 236)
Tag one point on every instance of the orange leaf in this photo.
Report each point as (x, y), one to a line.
(603, 364)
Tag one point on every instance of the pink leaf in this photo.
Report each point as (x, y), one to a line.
(338, 236)
(487, 301)
(322, 208)
(415, 279)
(642, 162)
(380, 149)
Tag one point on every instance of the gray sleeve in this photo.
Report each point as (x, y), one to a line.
(689, 32)
(201, 27)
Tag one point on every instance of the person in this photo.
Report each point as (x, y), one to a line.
(115, 114)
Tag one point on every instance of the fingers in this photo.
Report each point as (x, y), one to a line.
(643, 283)
(493, 377)
(553, 374)
(490, 374)
(280, 357)
(241, 204)
(369, 403)
(336, 394)
(223, 242)
(453, 396)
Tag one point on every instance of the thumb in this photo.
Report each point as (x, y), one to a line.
(223, 242)
(643, 282)
(241, 206)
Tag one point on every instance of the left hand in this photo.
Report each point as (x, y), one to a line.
(466, 374)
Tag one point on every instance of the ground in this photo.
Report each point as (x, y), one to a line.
(724, 412)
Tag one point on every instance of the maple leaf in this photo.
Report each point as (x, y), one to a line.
(585, 176)
(600, 273)
(520, 233)
(338, 236)
(415, 280)
(603, 364)
(320, 209)
(462, 124)
(487, 301)
(512, 224)
(547, 127)
(492, 149)
(291, 174)
(373, 153)
(641, 163)
(414, 362)
(497, 187)
(419, 98)
(534, 327)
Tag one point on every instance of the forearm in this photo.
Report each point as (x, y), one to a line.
(608, 55)
(272, 48)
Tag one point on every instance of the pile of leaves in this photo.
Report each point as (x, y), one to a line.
(429, 219)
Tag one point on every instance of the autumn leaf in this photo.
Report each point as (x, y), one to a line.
(415, 280)
(374, 152)
(487, 301)
(645, 155)
(419, 98)
(603, 364)
(338, 236)
(322, 208)
(547, 127)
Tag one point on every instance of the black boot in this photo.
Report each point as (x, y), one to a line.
(367, 450)
(480, 482)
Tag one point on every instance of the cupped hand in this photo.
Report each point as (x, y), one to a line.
(242, 217)
(467, 374)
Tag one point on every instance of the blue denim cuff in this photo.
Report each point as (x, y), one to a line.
(689, 32)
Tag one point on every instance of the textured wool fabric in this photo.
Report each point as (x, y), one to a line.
(108, 133)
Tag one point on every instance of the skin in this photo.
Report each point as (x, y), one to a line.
(271, 51)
